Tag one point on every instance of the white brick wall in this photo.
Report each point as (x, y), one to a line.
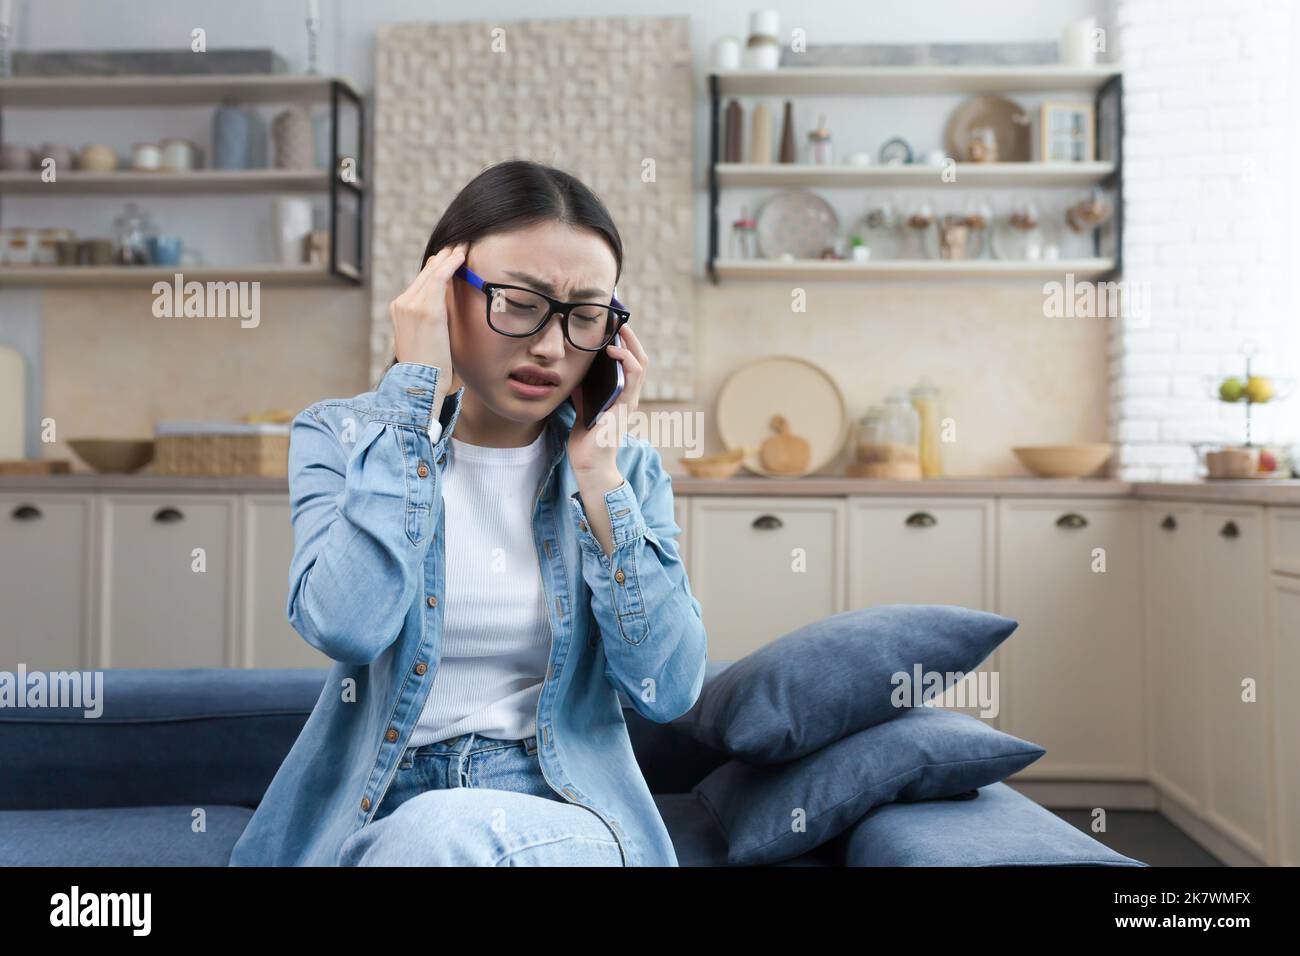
(1210, 158)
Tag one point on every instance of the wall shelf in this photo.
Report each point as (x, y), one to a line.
(145, 276)
(1104, 84)
(968, 174)
(81, 92)
(909, 269)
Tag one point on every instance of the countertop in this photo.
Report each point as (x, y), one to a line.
(1247, 491)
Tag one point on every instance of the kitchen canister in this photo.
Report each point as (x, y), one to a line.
(60, 153)
(763, 48)
(291, 221)
(726, 53)
(294, 139)
(179, 155)
(97, 158)
(146, 157)
(230, 137)
(15, 157)
(1077, 47)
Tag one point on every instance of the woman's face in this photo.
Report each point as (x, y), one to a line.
(572, 265)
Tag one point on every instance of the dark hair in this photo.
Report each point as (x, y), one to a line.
(516, 194)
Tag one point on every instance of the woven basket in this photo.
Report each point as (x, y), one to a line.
(203, 448)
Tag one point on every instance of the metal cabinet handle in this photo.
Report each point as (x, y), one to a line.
(921, 519)
(1072, 520)
(168, 516)
(1230, 530)
(767, 522)
(1170, 523)
(26, 513)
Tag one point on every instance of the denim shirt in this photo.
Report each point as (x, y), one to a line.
(366, 588)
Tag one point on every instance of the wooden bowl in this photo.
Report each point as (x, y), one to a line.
(723, 465)
(117, 456)
(1063, 461)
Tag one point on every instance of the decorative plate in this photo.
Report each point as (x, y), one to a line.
(796, 223)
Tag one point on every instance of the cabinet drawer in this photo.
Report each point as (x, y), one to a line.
(45, 580)
(1286, 540)
(762, 567)
(159, 611)
(920, 551)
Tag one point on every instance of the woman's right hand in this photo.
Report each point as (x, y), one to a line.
(420, 315)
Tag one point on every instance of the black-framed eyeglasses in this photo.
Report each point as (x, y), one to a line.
(519, 312)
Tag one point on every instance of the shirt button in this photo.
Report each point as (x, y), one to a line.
(392, 734)
(618, 575)
(582, 525)
(443, 458)
(433, 601)
(365, 803)
(421, 668)
(423, 470)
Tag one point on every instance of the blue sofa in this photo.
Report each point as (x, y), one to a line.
(126, 788)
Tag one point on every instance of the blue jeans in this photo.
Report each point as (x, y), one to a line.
(478, 801)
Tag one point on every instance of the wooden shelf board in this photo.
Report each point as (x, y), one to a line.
(225, 181)
(146, 276)
(967, 174)
(893, 80)
(908, 268)
(186, 90)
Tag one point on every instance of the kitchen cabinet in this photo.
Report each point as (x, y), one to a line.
(764, 566)
(268, 640)
(1284, 534)
(46, 581)
(926, 551)
(1070, 572)
(1176, 653)
(1286, 719)
(1231, 600)
(168, 580)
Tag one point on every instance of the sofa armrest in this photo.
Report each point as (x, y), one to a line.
(999, 827)
(192, 736)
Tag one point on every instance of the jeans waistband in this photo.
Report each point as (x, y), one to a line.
(472, 743)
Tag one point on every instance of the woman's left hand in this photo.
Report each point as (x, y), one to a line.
(592, 450)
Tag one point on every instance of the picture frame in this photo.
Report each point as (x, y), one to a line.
(1066, 133)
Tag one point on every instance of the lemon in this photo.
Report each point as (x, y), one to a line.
(1258, 389)
(1231, 390)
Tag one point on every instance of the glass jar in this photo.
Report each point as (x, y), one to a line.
(131, 233)
(887, 440)
(744, 237)
(925, 400)
(820, 152)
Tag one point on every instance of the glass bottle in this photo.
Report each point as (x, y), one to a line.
(925, 400)
(132, 231)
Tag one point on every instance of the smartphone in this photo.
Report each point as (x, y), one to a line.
(603, 384)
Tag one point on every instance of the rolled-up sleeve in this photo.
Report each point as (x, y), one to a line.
(651, 624)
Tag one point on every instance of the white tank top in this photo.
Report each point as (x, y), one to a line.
(496, 639)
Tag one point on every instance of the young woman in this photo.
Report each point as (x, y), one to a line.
(487, 573)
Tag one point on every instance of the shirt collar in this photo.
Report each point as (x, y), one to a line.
(560, 422)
